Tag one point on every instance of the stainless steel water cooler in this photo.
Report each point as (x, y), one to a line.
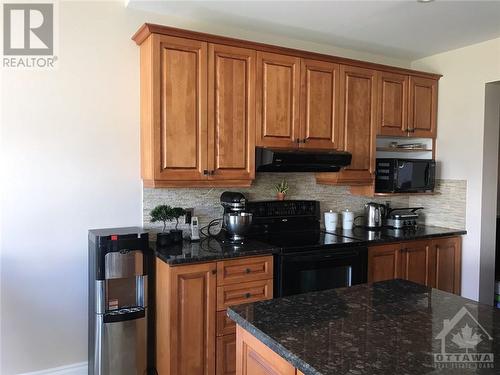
(118, 301)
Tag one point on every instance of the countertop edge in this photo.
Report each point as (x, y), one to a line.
(279, 349)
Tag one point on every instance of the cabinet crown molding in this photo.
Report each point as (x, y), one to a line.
(149, 28)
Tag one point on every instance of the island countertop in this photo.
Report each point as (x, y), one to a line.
(390, 327)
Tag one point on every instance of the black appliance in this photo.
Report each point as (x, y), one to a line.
(405, 175)
(118, 301)
(276, 160)
(309, 259)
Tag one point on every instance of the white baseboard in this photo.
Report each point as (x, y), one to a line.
(73, 369)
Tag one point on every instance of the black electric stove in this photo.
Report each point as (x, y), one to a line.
(308, 259)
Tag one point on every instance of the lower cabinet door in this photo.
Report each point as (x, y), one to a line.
(383, 262)
(226, 355)
(447, 264)
(415, 262)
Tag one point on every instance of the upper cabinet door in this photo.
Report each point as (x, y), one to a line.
(278, 88)
(357, 120)
(422, 111)
(180, 130)
(393, 104)
(231, 113)
(319, 103)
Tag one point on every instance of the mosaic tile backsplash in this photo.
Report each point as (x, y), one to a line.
(205, 201)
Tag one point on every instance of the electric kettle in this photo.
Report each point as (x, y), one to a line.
(374, 215)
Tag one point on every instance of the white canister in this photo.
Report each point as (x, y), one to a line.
(331, 220)
(347, 219)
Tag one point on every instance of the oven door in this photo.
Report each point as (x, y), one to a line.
(327, 269)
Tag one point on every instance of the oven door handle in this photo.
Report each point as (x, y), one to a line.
(315, 257)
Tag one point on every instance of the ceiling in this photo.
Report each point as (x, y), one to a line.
(404, 29)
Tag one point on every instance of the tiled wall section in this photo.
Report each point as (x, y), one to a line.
(446, 209)
(302, 186)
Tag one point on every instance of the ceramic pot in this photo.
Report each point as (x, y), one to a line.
(176, 235)
(163, 240)
(280, 196)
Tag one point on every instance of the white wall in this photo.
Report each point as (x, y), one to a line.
(70, 153)
(460, 141)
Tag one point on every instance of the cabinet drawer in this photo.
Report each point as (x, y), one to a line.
(236, 294)
(243, 270)
(225, 326)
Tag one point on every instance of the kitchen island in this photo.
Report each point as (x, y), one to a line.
(390, 327)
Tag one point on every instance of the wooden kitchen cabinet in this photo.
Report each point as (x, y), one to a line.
(384, 262)
(435, 263)
(231, 113)
(226, 355)
(278, 93)
(194, 336)
(393, 90)
(415, 262)
(319, 98)
(422, 109)
(255, 358)
(185, 319)
(447, 263)
(358, 103)
(197, 113)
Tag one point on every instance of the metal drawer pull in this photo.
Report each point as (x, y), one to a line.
(248, 295)
(248, 270)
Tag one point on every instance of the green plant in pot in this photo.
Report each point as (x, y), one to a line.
(281, 190)
(164, 213)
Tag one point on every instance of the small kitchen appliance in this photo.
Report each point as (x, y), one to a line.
(374, 215)
(399, 218)
(195, 230)
(405, 175)
(118, 301)
(236, 222)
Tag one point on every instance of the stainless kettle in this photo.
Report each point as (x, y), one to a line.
(374, 215)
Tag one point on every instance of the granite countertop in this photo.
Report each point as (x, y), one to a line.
(387, 235)
(210, 249)
(390, 327)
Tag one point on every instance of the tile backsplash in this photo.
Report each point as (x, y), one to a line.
(445, 209)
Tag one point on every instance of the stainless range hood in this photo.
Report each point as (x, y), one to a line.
(277, 160)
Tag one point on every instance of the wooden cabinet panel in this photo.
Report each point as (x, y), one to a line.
(277, 95)
(422, 111)
(319, 128)
(255, 358)
(384, 262)
(244, 270)
(235, 294)
(231, 113)
(415, 262)
(357, 113)
(225, 326)
(447, 264)
(393, 104)
(226, 355)
(186, 319)
(181, 69)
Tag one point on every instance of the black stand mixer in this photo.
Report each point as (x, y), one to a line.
(236, 222)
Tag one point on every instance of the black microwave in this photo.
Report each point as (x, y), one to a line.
(405, 175)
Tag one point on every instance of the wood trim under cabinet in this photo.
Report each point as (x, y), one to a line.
(148, 28)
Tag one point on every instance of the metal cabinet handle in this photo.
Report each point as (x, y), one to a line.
(304, 140)
(248, 270)
(297, 140)
(205, 172)
(248, 295)
(214, 272)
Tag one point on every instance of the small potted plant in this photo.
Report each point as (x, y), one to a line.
(162, 213)
(176, 234)
(281, 190)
